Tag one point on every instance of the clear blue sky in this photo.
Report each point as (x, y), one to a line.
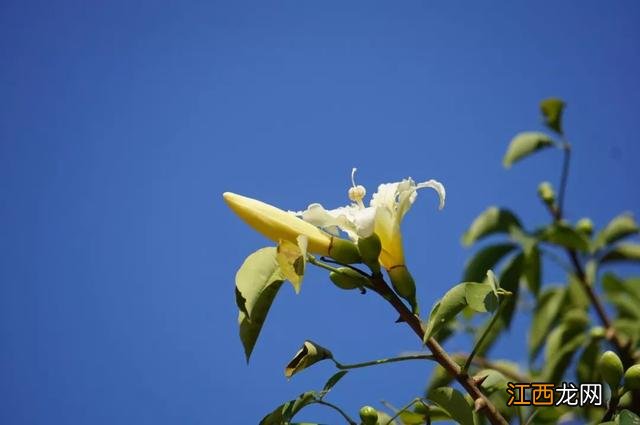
(121, 124)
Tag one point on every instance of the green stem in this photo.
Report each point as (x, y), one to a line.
(339, 410)
(566, 160)
(311, 259)
(404, 409)
(484, 335)
(383, 361)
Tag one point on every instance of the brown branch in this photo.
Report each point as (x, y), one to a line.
(441, 356)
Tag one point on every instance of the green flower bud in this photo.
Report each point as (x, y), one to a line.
(346, 278)
(597, 332)
(368, 415)
(404, 285)
(585, 226)
(370, 248)
(632, 377)
(546, 193)
(611, 369)
(344, 251)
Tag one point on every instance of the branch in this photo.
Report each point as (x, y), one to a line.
(441, 356)
(557, 214)
(383, 361)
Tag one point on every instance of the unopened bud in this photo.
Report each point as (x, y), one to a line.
(370, 248)
(597, 332)
(611, 369)
(404, 285)
(632, 377)
(368, 415)
(585, 226)
(346, 278)
(546, 193)
(344, 251)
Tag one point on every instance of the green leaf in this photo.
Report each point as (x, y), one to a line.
(309, 354)
(479, 296)
(285, 412)
(524, 144)
(532, 269)
(619, 227)
(562, 343)
(566, 236)
(551, 109)
(490, 221)
(292, 262)
(613, 285)
(494, 381)
(557, 362)
(586, 369)
(331, 382)
(440, 377)
(626, 417)
(623, 252)
(485, 259)
(446, 309)
(509, 278)
(257, 283)
(545, 314)
(453, 403)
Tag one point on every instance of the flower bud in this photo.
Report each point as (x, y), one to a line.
(344, 251)
(346, 278)
(585, 226)
(632, 377)
(370, 248)
(597, 332)
(546, 193)
(404, 285)
(368, 415)
(611, 369)
(277, 224)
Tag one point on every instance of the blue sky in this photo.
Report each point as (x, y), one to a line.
(122, 124)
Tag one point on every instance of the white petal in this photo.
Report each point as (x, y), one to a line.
(438, 187)
(385, 197)
(331, 220)
(364, 221)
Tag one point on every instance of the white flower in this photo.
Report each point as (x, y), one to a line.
(383, 216)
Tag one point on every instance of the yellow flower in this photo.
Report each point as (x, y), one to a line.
(277, 225)
(383, 216)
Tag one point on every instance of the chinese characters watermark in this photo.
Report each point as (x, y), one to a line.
(545, 394)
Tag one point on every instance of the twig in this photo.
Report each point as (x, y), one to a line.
(339, 410)
(467, 382)
(383, 361)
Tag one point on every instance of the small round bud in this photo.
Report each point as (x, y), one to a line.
(585, 226)
(368, 415)
(611, 369)
(346, 278)
(597, 332)
(546, 193)
(632, 377)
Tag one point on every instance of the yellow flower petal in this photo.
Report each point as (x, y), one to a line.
(277, 224)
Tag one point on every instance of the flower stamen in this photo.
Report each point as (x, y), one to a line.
(356, 192)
